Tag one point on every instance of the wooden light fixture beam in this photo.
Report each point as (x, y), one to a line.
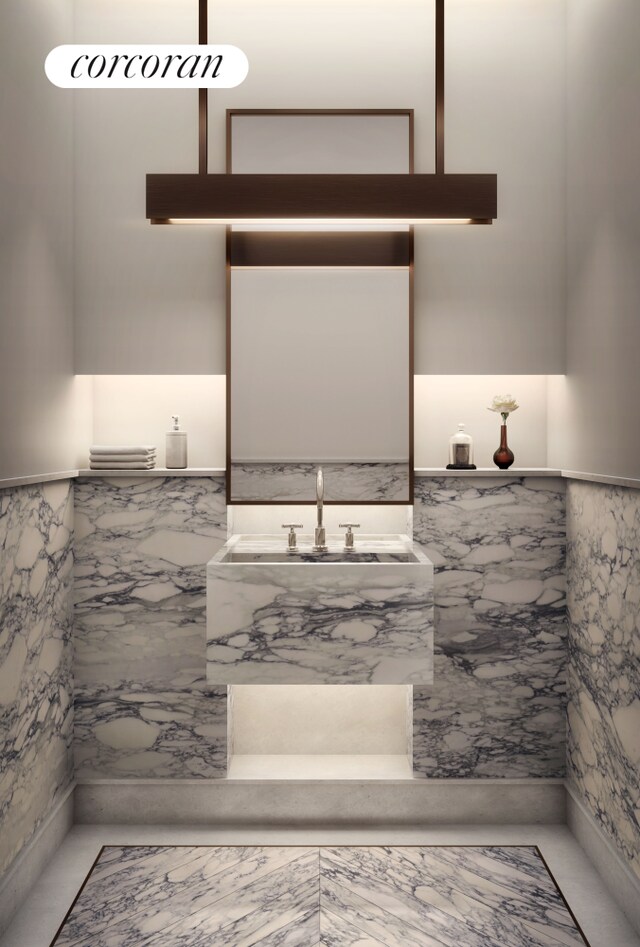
(309, 198)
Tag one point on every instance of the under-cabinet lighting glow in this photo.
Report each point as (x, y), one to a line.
(319, 222)
(352, 267)
(324, 227)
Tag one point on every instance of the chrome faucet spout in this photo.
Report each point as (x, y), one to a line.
(320, 543)
(320, 494)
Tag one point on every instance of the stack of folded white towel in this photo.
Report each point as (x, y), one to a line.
(104, 457)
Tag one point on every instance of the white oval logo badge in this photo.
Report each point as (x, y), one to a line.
(146, 67)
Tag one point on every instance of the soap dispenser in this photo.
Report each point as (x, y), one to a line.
(461, 451)
(176, 446)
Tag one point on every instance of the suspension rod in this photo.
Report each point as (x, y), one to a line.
(439, 86)
(203, 94)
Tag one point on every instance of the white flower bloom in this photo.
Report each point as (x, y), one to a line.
(503, 404)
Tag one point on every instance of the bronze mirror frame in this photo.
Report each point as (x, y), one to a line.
(320, 248)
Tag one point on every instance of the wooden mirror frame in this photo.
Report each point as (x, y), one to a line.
(320, 248)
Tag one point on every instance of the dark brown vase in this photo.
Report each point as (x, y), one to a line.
(503, 457)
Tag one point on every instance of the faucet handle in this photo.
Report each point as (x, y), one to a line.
(348, 539)
(292, 538)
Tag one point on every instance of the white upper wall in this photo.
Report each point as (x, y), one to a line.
(148, 299)
(37, 389)
(491, 299)
(598, 429)
(488, 299)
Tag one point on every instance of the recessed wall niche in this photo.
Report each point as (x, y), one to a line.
(137, 409)
(132, 408)
(320, 731)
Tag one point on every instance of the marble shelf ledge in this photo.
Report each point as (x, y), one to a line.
(629, 482)
(37, 478)
(489, 472)
(155, 472)
(632, 483)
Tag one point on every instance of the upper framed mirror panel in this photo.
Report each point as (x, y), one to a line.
(339, 141)
(337, 307)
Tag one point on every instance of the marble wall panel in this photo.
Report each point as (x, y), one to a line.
(36, 700)
(143, 706)
(497, 704)
(346, 483)
(603, 571)
(145, 730)
(496, 707)
(362, 623)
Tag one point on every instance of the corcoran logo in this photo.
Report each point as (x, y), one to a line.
(146, 67)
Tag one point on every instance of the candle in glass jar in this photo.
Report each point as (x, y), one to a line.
(461, 449)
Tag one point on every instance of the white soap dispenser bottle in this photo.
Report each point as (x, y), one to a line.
(176, 446)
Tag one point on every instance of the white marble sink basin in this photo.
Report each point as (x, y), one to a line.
(366, 549)
(362, 616)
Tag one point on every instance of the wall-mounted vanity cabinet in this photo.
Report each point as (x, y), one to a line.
(360, 616)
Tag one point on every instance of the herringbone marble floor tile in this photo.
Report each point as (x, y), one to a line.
(295, 896)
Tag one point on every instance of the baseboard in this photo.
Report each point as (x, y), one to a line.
(621, 882)
(317, 802)
(24, 871)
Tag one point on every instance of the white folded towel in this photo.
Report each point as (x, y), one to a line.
(119, 465)
(122, 458)
(122, 449)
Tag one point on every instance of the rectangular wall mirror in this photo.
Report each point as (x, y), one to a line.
(319, 324)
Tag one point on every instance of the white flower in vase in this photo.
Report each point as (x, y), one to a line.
(504, 405)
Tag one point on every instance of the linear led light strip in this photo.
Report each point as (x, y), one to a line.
(306, 223)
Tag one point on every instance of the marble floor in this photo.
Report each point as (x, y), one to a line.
(484, 886)
(307, 896)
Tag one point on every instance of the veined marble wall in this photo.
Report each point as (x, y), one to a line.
(603, 570)
(143, 707)
(346, 483)
(496, 707)
(497, 704)
(36, 700)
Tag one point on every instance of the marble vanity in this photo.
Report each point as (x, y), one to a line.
(362, 616)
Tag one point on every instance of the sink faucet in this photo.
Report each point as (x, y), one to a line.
(320, 544)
